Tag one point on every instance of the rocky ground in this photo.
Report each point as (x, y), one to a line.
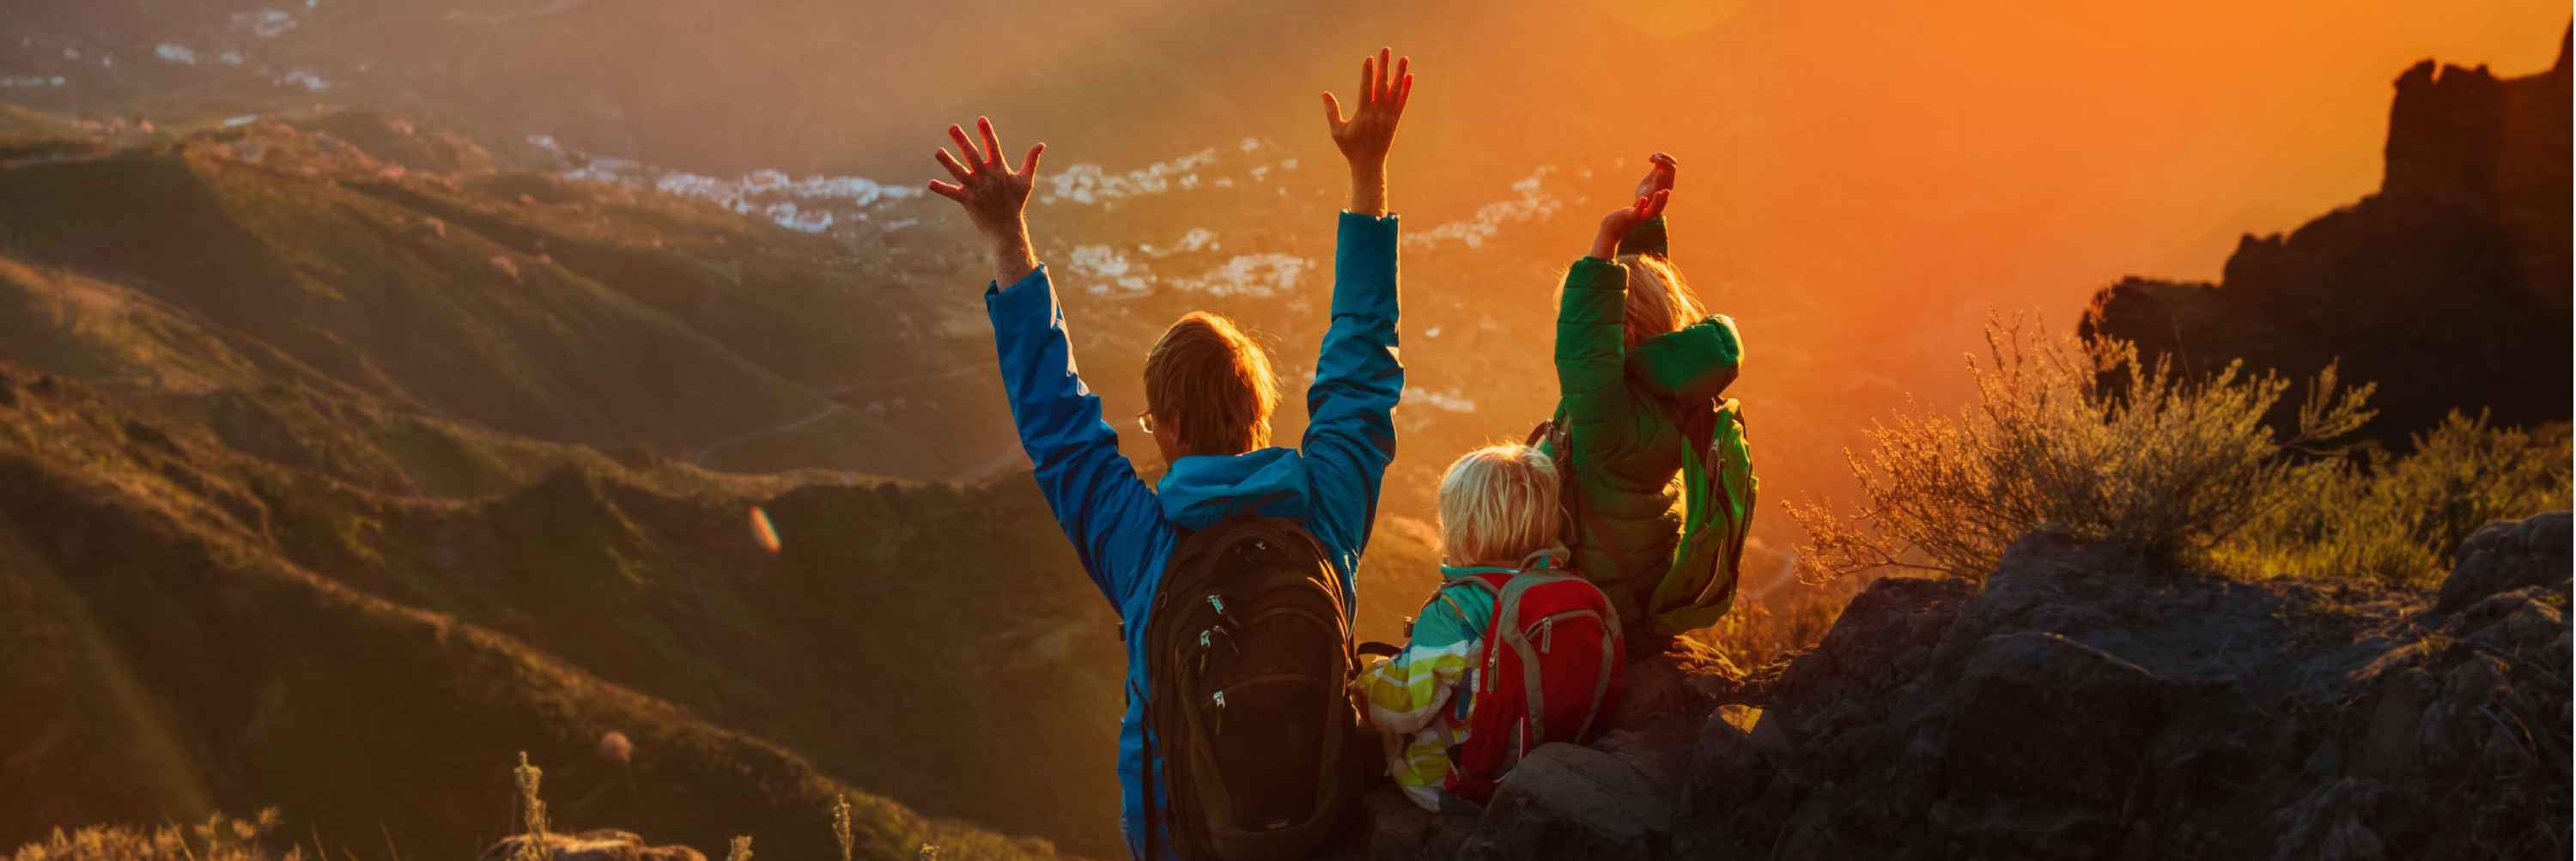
(2085, 703)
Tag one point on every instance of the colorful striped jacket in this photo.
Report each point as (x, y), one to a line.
(1420, 698)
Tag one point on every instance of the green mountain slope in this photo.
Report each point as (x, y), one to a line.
(169, 656)
(568, 312)
(484, 399)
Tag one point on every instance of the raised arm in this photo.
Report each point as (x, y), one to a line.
(1591, 332)
(1648, 237)
(1366, 137)
(994, 195)
(1102, 506)
(1350, 431)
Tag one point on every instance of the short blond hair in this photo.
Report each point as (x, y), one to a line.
(1211, 385)
(1498, 506)
(1659, 300)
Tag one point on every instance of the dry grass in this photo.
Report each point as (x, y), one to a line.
(1776, 613)
(219, 838)
(532, 812)
(1754, 633)
(2086, 439)
(2399, 519)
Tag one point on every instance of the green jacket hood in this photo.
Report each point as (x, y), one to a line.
(1692, 365)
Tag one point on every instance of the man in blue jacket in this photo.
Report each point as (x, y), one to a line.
(1209, 394)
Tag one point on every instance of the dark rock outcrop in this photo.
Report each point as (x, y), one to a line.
(2085, 704)
(2088, 706)
(2463, 254)
(1568, 801)
(2503, 557)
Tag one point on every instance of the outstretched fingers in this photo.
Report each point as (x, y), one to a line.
(965, 147)
(1333, 112)
(992, 143)
(1654, 206)
(955, 169)
(1029, 165)
(949, 190)
(1368, 82)
(1395, 82)
(1383, 93)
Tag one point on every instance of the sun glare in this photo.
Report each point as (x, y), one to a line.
(1670, 19)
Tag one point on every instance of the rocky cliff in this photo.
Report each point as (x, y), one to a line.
(2463, 253)
(2085, 704)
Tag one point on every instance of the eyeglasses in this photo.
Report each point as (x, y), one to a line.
(1145, 422)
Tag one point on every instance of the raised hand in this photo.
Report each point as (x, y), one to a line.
(994, 195)
(1386, 83)
(1659, 175)
(1605, 245)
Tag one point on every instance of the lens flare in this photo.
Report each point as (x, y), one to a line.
(762, 533)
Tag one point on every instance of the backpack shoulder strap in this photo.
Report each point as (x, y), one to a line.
(1442, 595)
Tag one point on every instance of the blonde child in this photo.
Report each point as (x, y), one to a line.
(1498, 512)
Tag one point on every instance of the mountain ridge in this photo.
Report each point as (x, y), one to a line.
(175, 570)
(2462, 254)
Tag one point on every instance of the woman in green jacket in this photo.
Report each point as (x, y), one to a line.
(1641, 370)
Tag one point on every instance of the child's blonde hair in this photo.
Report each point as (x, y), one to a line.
(1498, 506)
(1659, 301)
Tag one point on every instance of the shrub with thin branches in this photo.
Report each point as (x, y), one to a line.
(2400, 519)
(2088, 440)
(2173, 465)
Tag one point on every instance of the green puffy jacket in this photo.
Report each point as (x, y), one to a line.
(1618, 407)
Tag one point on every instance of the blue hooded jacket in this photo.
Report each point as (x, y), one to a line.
(1124, 532)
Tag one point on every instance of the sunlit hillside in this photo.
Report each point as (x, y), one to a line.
(389, 387)
(1863, 182)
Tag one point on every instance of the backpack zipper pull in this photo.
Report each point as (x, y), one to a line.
(1218, 700)
(1546, 636)
(1217, 603)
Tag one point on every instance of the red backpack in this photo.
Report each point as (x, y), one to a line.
(1549, 670)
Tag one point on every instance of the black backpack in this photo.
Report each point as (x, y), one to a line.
(1248, 657)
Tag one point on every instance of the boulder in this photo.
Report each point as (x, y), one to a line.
(2335, 822)
(1727, 772)
(1571, 801)
(2086, 702)
(2089, 703)
(2508, 555)
(1397, 830)
(2039, 717)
